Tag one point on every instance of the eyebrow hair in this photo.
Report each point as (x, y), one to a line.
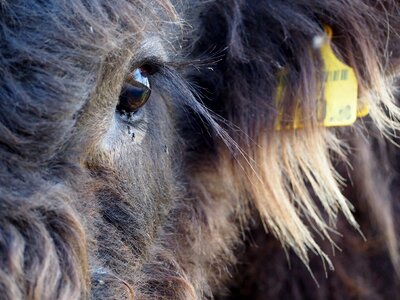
(151, 50)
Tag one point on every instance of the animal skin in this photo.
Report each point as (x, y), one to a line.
(194, 192)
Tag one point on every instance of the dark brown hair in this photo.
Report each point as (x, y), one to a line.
(92, 206)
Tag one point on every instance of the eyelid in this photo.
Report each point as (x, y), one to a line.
(151, 61)
(162, 66)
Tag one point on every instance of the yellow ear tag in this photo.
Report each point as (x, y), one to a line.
(340, 105)
(341, 88)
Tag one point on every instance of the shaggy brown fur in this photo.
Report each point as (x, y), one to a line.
(96, 207)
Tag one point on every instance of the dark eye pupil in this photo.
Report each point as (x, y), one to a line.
(132, 98)
(135, 92)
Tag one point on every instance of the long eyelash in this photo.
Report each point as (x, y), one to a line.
(152, 61)
(206, 59)
(173, 84)
(158, 65)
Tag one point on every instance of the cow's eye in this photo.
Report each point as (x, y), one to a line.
(135, 91)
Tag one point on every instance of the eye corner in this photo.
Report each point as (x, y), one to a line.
(150, 65)
(149, 68)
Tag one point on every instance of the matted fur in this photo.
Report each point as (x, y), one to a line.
(93, 207)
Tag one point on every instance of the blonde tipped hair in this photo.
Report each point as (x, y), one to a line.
(291, 174)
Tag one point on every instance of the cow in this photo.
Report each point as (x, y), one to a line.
(157, 149)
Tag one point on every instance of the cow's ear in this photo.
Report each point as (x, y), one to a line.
(289, 173)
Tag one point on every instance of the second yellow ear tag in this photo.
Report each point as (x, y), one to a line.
(341, 88)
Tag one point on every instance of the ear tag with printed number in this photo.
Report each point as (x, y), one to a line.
(340, 103)
(341, 88)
